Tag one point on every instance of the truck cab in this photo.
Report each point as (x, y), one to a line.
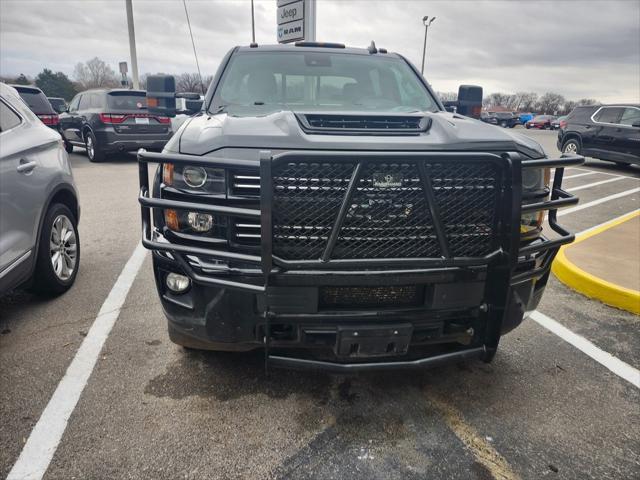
(325, 207)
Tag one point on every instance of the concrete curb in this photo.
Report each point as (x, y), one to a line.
(590, 285)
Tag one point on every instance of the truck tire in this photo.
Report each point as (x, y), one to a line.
(571, 146)
(94, 152)
(58, 256)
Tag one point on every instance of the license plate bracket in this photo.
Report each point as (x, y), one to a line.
(365, 341)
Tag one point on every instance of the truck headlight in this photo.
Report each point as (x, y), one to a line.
(194, 179)
(535, 188)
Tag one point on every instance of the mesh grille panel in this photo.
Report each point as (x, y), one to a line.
(388, 215)
(307, 197)
(466, 197)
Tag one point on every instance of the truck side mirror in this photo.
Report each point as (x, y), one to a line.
(161, 95)
(193, 106)
(192, 102)
(470, 100)
(188, 95)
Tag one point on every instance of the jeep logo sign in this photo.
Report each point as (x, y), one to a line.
(296, 20)
(291, 12)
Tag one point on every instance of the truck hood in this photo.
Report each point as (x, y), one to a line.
(206, 134)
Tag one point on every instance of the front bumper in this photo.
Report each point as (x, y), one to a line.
(240, 301)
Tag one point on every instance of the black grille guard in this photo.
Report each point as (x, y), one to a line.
(501, 261)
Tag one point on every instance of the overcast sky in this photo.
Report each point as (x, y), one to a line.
(578, 48)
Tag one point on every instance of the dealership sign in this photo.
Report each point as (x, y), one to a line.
(296, 20)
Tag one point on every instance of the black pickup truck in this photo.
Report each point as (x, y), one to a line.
(323, 206)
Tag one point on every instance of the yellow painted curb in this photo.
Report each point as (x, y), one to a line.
(590, 285)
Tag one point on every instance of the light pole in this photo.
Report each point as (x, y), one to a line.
(427, 23)
(132, 45)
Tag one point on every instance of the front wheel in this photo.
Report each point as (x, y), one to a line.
(94, 152)
(58, 256)
(571, 147)
(503, 124)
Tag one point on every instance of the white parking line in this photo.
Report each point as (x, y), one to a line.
(45, 437)
(598, 201)
(595, 184)
(578, 175)
(606, 173)
(614, 364)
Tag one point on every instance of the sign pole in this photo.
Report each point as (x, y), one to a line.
(132, 45)
(310, 21)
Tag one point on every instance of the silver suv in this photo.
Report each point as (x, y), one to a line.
(39, 209)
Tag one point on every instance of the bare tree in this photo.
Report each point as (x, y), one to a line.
(95, 73)
(567, 107)
(550, 103)
(524, 101)
(587, 101)
(190, 82)
(497, 99)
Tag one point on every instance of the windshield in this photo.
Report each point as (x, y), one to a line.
(258, 83)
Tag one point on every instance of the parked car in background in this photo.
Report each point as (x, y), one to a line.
(107, 121)
(58, 104)
(542, 122)
(606, 132)
(555, 124)
(38, 103)
(503, 119)
(39, 210)
(525, 117)
(488, 118)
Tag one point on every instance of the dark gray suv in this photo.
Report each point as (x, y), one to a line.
(39, 210)
(111, 121)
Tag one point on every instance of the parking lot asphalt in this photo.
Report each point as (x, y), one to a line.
(542, 409)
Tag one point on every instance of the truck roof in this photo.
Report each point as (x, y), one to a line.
(335, 48)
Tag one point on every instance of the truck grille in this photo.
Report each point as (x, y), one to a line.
(388, 216)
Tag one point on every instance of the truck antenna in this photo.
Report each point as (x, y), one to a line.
(195, 54)
(253, 27)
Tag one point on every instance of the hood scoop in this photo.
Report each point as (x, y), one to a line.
(363, 124)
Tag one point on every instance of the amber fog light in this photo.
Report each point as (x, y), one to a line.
(171, 220)
(200, 222)
(177, 283)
